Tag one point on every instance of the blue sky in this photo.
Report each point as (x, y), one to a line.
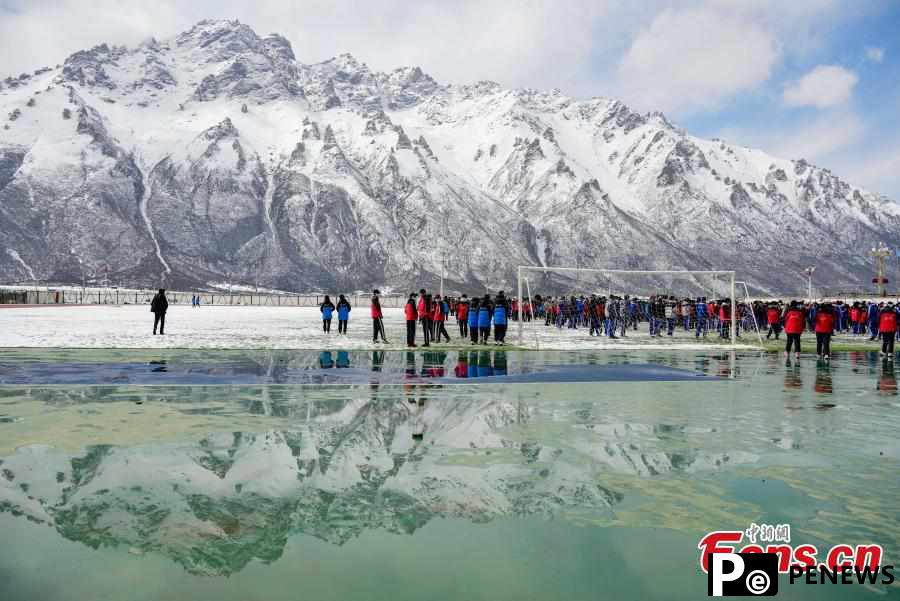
(858, 136)
(818, 79)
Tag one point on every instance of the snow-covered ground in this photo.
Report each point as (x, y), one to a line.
(225, 327)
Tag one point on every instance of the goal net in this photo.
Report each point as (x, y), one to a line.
(566, 304)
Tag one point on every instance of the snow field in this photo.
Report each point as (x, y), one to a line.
(228, 327)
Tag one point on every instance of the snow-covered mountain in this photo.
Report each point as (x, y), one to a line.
(217, 155)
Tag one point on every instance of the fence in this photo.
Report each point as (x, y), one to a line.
(13, 297)
(121, 296)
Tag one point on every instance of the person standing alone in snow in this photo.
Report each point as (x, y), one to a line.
(158, 306)
(378, 318)
(343, 311)
(327, 309)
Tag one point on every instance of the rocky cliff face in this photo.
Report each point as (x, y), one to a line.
(217, 155)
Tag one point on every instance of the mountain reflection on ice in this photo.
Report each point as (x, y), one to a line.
(214, 477)
(327, 367)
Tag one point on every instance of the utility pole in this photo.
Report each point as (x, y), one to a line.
(881, 255)
(809, 273)
(578, 272)
(83, 279)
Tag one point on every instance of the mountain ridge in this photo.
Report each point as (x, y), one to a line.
(331, 175)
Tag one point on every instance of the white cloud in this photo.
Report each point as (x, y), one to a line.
(819, 138)
(694, 59)
(576, 45)
(877, 170)
(815, 139)
(539, 43)
(876, 55)
(837, 139)
(823, 87)
(40, 33)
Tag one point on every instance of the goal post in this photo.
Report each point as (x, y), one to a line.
(729, 276)
(752, 312)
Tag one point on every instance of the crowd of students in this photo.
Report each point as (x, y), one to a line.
(480, 318)
(877, 320)
(617, 315)
(476, 319)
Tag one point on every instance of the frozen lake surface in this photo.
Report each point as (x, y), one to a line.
(408, 481)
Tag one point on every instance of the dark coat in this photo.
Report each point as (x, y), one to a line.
(159, 304)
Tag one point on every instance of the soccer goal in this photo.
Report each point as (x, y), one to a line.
(637, 305)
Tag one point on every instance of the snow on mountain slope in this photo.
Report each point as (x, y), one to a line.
(218, 155)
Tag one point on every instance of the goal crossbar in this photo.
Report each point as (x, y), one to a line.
(732, 275)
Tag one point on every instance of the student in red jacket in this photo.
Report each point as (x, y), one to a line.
(773, 317)
(794, 320)
(825, 319)
(411, 314)
(887, 327)
(439, 316)
(462, 316)
(725, 319)
(424, 313)
(861, 321)
(377, 318)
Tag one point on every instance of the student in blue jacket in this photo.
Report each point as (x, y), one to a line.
(473, 320)
(501, 314)
(873, 316)
(327, 309)
(343, 311)
(484, 318)
(700, 308)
